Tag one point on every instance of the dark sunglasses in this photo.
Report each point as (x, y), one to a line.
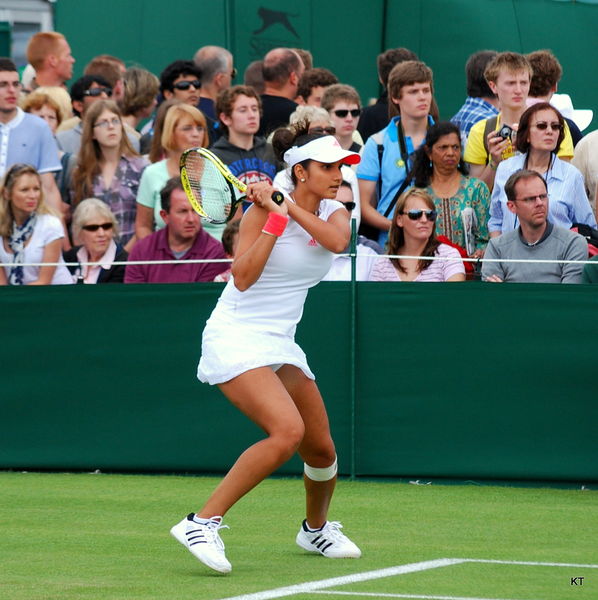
(233, 73)
(349, 205)
(94, 92)
(185, 85)
(104, 226)
(322, 130)
(341, 114)
(542, 125)
(416, 215)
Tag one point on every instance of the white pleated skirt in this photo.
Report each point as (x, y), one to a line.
(230, 349)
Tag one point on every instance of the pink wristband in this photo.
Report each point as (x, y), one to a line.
(276, 224)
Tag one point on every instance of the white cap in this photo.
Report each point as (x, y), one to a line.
(581, 117)
(325, 149)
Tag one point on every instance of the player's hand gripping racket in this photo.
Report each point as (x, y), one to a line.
(210, 186)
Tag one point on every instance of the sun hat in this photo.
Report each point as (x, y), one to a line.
(325, 149)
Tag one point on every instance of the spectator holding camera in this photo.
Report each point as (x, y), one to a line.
(492, 140)
(540, 135)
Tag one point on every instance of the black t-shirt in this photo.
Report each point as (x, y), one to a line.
(373, 118)
(276, 112)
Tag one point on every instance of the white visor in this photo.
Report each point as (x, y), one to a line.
(325, 149)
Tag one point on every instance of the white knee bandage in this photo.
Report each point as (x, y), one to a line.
(324, 474)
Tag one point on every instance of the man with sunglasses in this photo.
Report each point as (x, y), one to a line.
(181, 80)
(84, 92)
(535, 239)
(344, 107)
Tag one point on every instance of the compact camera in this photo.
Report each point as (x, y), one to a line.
(505, 132)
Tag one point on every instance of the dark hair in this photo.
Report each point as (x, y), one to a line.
(396, 235)
(228, 236)
(547, 72)
(254, 76)
(6, 64)
(177, 69)
(516, 177)
(422, 169)
(522, 141)
(294, 135)
(391, 57)
(84, 83)
(312, 78)
(278, 66)
(174, 183)
(477, 86)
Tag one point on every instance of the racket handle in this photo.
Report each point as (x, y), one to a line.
(278, 197)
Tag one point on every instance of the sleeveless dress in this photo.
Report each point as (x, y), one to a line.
(256, 328)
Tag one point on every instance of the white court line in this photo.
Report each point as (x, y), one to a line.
(313, 586)
(319, 586)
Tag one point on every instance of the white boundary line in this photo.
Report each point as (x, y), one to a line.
(319, 586)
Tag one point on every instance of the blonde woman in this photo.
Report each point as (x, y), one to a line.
(139, 101)
(30, 232)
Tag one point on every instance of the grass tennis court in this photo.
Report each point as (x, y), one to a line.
(97, 536)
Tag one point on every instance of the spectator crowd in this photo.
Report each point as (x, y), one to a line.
(504, 191)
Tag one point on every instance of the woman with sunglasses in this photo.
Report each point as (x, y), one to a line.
(249, 351)
(108, 168)
(539, 137)
(461, 202)
(412, 242)
(94, 230)
(184, 127)
(30, 232)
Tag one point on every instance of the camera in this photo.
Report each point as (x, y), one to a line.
(505, 132)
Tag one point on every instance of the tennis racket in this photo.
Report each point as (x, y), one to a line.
(210, 186)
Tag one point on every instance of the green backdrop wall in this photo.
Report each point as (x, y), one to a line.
(470, 381)
(343, 35)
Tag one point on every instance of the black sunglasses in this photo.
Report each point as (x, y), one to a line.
(341, 114)
(322, 130)
(185, 85)
(94, 92)
(416, 215)
(542, 125)
(349, 205)
(104, 226)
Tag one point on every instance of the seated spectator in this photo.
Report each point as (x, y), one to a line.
(367, 250)
(182, 239)
(94, 228)
(184, 128)
(152, 139)
(181, 80)
(230, 240)
(139, 100)
(535, 239)
(586, 160)
(108, 168)
(461, 201)
(112, 69)
(30, 232)
(590, 271)
(254, 76)
(412, 235)
(540, 134)
(344, 107)
(312, 85)
(43, 105)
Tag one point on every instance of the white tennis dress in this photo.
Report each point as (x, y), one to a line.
(256, 328)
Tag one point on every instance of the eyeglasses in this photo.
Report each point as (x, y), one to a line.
(98, 91)
(530, 199)
(342, 113)
(104, 124)
(416, 215)
(322, 130)
(349, 205)
(104, 226)
(233, 73)
(543, 125)
(185, 85)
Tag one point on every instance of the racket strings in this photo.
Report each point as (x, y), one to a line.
(209, 188)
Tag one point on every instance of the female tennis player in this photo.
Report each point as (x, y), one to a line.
(248, 346)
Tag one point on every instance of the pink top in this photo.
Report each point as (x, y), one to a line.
(439, 270)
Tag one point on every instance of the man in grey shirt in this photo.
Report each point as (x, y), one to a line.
(535, 239)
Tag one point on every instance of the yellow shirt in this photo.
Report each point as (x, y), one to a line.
(476, 154)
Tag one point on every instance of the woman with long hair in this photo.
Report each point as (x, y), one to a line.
(30, 232)
(413, 246)
(184, 127)
(249, 351)
(461, 202)
(108, 167)
(539, 136)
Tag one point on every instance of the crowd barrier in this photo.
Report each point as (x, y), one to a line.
(462, 381)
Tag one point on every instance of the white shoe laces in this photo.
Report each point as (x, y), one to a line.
(333, 531)
(210, 531)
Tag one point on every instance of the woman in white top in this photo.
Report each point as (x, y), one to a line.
(248, 346)
(412, 235)
(30, 232)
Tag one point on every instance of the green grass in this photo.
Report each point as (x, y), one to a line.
(84, 536)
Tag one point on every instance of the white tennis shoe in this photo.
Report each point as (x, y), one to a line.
(328, 541)
(203, 541)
